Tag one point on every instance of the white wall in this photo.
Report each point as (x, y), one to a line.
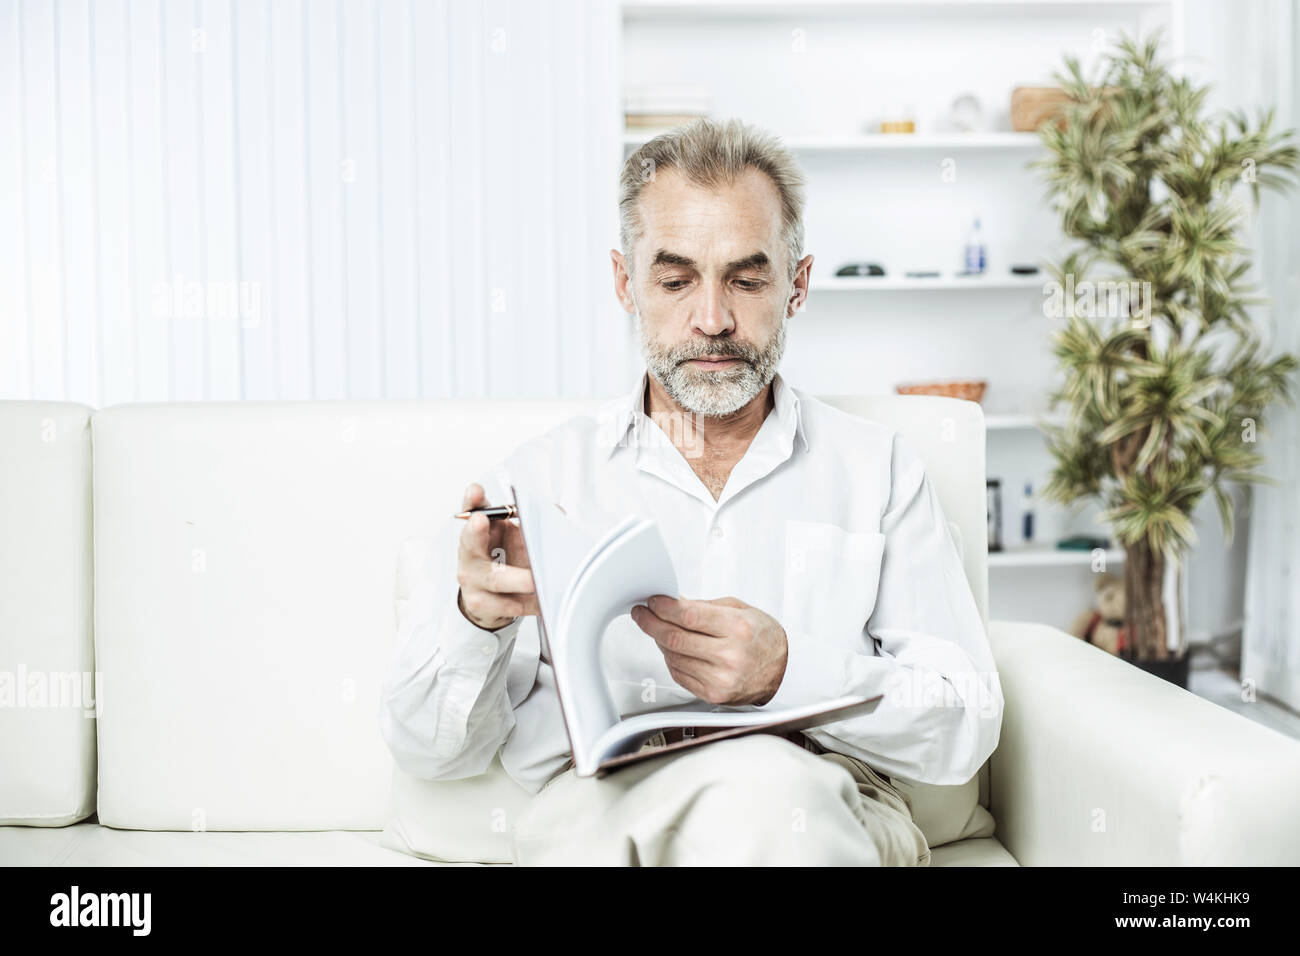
(414, 199)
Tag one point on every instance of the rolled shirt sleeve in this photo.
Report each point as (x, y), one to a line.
(924, 647)
(447, 701)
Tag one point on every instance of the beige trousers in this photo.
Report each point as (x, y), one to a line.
(758, 800)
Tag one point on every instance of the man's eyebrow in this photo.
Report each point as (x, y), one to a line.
(756, 260)
(665, 258)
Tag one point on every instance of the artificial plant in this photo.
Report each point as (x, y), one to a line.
(1166, 393)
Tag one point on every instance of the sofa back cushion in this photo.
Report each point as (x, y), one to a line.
(245, 560)
(47, 692)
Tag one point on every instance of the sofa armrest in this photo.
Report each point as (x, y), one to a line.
(1101, 763)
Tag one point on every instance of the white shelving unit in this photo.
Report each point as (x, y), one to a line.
(819, 74)
(941, 283)
(892, 141)
(697, 9)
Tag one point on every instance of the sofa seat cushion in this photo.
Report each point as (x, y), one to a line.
(89, 844)
(985, 851)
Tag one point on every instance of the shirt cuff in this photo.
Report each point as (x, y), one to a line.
(814, 672)
(470, 653)
(463, 639)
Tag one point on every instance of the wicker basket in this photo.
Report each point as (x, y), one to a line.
(972, 391)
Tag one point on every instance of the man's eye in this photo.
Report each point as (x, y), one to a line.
(674, 285)
(750, 285)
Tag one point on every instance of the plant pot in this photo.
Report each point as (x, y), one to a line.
(1173, 669)
(1156, 612)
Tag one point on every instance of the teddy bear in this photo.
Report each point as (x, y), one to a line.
(1104, 624)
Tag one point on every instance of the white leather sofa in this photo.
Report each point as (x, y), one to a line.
(223, 575)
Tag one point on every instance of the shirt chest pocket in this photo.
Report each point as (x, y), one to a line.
(831, 577)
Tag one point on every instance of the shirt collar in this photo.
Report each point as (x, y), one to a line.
(628, 411)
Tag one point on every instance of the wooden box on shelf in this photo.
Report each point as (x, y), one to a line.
(1031, 106)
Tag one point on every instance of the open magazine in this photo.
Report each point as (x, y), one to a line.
(583, 585)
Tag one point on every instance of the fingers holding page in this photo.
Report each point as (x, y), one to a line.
(703, 617)
(671, 637)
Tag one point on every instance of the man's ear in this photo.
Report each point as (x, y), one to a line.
(799, 292)
(622, 282)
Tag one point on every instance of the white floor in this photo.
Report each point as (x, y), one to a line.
(1214, 676)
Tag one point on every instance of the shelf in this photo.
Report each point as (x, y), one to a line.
(865, 143)
(657, 9)
(938, 284)
(1022, 422)
(1043, 557)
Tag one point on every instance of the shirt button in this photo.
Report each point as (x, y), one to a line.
(717, 531)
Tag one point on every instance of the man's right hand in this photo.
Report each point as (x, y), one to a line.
(496, 583)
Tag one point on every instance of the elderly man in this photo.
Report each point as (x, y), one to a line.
(811, 552)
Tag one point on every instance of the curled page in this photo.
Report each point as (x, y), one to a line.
(628, 567)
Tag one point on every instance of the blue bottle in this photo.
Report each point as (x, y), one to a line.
(976, 259)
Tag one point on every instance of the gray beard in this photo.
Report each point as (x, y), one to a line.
(713, 394)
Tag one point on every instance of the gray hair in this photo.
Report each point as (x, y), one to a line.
(709, 152)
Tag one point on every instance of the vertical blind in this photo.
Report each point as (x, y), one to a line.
(308, 199)
(1270, 657)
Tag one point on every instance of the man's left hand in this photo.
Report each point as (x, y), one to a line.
(723, 651)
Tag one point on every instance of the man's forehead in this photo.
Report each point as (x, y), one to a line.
(750, 195)
(686, 223)
(671, 193)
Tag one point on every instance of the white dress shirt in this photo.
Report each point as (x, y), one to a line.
(828, 523)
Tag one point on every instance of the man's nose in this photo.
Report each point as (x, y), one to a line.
(713, 316)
